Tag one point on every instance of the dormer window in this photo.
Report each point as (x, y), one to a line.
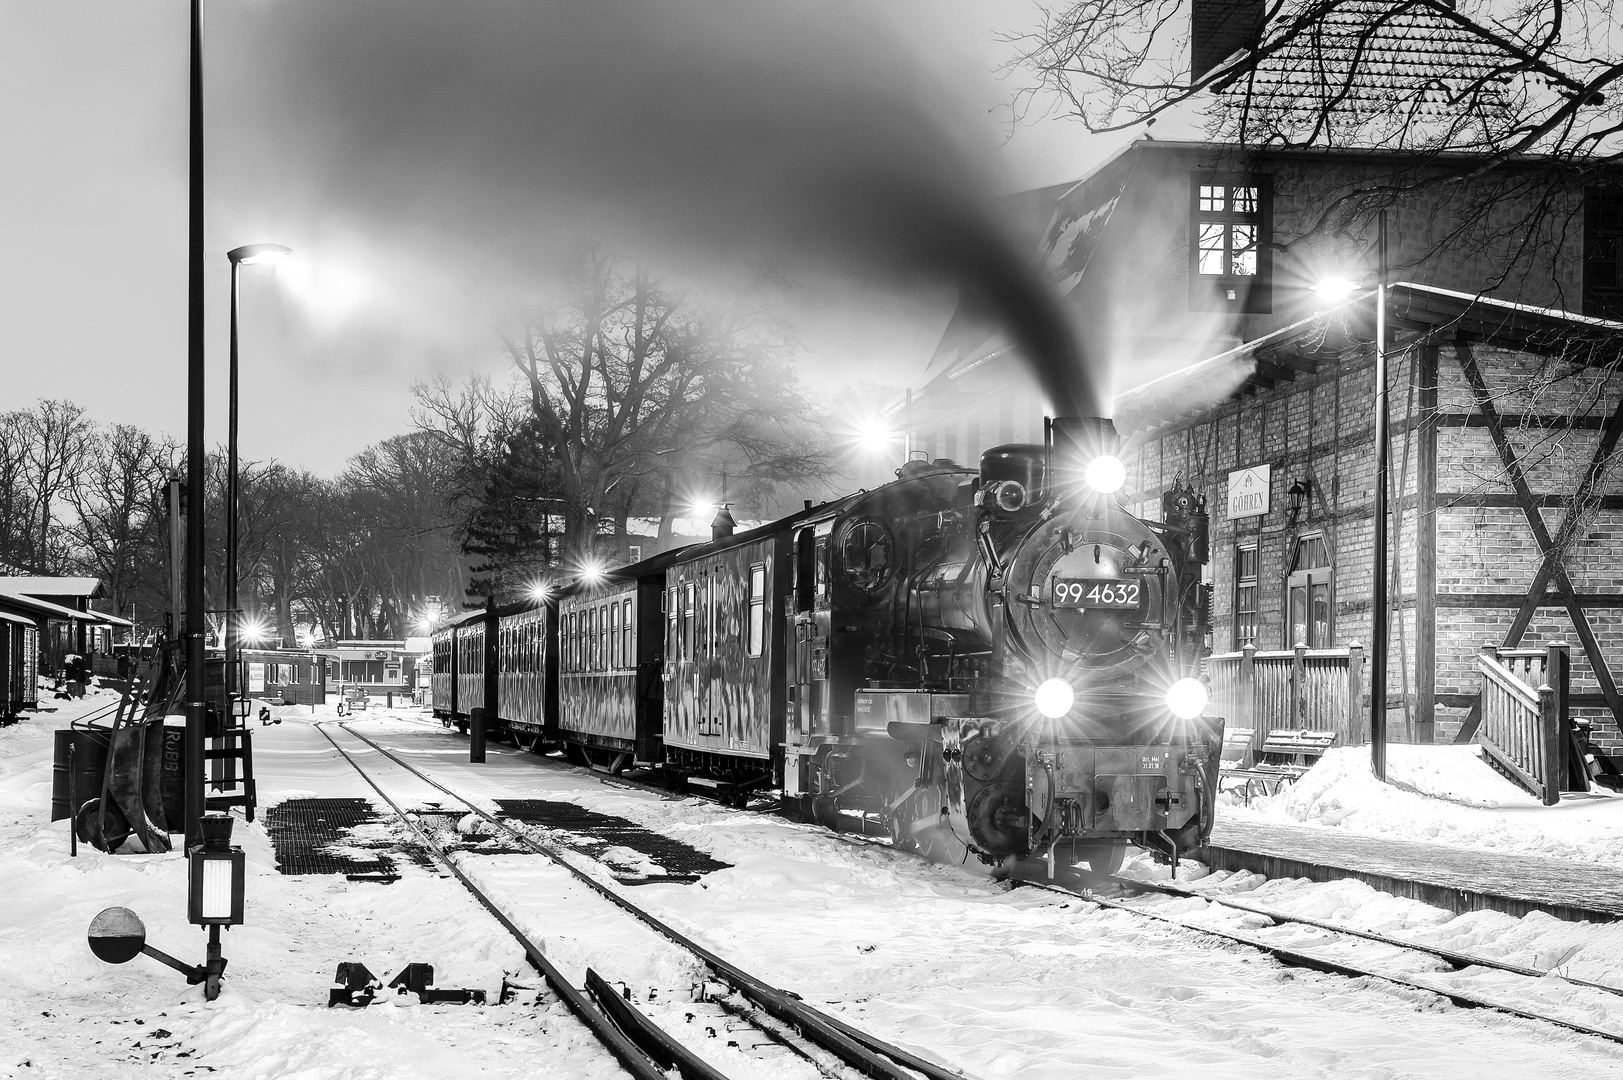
(1230, 230)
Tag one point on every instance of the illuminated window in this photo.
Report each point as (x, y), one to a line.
(1229, 234)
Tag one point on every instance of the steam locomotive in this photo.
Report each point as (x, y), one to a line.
(1002, 662)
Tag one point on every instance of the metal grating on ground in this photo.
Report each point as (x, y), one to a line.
(607, 839)
(316, 836)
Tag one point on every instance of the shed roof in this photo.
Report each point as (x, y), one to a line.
(55, 586)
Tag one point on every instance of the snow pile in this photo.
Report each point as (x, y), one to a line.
(1441, 794)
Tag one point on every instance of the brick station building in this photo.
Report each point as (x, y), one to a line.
(1505, 516)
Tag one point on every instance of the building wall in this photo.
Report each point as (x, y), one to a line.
(1319, 428)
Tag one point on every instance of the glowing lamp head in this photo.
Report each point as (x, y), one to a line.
(1054, 698)
(1336, 289)
(591, 573)
(539, 593)
(1187, 698)
(1106, 474)
(255, 254)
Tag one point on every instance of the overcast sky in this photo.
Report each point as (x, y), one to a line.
(93, 96)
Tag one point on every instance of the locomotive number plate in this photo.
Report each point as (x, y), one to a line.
(1120, 595)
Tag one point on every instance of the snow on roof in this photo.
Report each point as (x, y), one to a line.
(1366, 60)
(54, 586)
(49, 610)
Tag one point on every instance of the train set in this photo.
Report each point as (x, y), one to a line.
(1002, 661)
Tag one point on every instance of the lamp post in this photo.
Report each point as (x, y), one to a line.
(195, 617)
(250, 254)
(1378, 608)
(1336, 289)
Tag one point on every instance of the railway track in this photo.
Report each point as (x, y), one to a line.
(1087, 887)
(766, 1019)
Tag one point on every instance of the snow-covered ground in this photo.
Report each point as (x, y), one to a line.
(1446, 795)
(997, 981)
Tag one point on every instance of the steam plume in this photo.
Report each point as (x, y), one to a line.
(723, 133)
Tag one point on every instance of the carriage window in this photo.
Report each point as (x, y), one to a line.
(616, 658)
(689, 609)
(757, 624)
(670, 622)
(628, 644)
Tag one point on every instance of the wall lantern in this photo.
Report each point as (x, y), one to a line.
(217, 871)
(1298, 495)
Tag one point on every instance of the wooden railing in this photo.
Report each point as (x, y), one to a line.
(1524, 715)
(1301, 688)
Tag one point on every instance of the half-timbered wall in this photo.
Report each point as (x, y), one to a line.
(1460, 542)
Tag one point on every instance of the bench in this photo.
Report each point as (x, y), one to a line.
(1287, 754)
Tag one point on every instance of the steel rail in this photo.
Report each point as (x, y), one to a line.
(1297, 958)
(630, 1056)
(861, 1050)
(1457, 958)
(1290, 956)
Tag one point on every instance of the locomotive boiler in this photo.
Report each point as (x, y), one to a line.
(1016, 657)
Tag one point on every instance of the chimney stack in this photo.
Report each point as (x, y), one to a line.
(722, 524)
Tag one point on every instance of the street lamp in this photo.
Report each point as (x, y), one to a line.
(1337, 289)
(250, 255)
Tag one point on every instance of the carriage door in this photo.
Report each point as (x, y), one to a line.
(809, 675)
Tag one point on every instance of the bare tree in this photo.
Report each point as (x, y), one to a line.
(629, 381)
(56, 434)
(117, 499)
(1460, 91)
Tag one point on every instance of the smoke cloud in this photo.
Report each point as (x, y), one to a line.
(475, 143)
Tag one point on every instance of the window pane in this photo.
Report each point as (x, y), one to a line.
(614, 636)
(1244, 200)
(1298, 623)
(1211, 198)
(1320, 626)
(1245, 563)
(1243, 242)
(1245, 615)
(1211, 249)
(628, 649)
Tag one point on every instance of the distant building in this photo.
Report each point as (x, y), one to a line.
(60, 606)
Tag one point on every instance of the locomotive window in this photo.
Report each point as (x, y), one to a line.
(757, 623)
(821, 561)
(866, 552)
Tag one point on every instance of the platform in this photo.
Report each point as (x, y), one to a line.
(1453, 878)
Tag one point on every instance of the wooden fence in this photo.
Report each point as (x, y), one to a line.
(1300, 688)
(1524, 704)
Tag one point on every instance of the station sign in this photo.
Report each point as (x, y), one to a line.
(1248, 492)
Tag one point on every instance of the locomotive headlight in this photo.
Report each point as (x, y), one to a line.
(1187, 699)
(1054, 698)
(1106, 474)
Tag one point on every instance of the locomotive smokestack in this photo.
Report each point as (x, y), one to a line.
(722, 524)
(1085, 448)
